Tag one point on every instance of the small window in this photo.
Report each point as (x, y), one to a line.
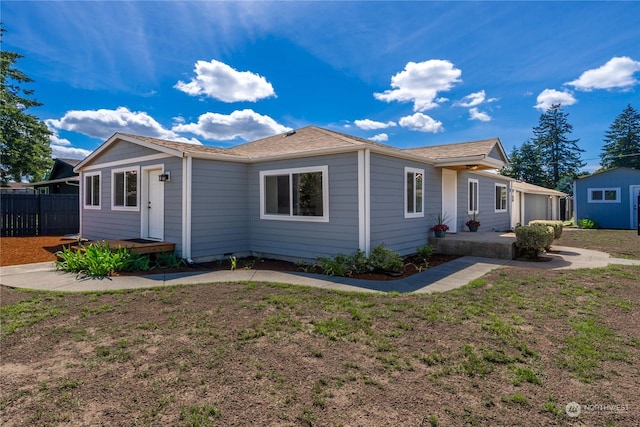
(43, 190)
(414, 193)
(92, 191)
(473, 196)
(295, 194)
(501, 198)
(125, 189)
(603, 195)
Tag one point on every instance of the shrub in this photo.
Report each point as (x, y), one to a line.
(557, 226)
(533, 239)
(336, 265)
(385, 259)
(169, 260)
(587, 223)
(358, 262)
(424, 252)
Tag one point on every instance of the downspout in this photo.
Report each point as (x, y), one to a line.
(364, 208)
(187, 164)
(81, 202)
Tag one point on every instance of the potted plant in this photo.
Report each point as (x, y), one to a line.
(441, 227)
(473, 223)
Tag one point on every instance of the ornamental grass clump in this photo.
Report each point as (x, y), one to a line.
(531, 240)
(99, 260)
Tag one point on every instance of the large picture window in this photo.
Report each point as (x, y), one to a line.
(473, 196)
(501, 198)
(604, 195)
(124, 189)
(295, 194)
(92, 190)
(414, 193)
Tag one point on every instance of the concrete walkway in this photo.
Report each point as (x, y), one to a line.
(454, 274)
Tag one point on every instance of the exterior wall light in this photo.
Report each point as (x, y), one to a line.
(164, 177)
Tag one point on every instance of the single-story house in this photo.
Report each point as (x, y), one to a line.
(62, 179)
(296, 196)
(609, 198)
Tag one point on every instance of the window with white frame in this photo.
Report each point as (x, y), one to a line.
(473, 196)
(124, 189)
(413, 193)
(92, 190)
(300, 194)
(603, 195)
(501, 198)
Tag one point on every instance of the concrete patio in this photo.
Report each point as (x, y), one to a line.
(488, 244)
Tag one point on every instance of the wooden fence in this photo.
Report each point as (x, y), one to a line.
(39, 214)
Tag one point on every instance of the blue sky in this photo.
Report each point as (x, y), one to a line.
(403, 73)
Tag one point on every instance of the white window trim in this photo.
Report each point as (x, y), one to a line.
(84, 195)
(413, 171)
(283, 217)
(135, 208)
(506, 200)
(603, 189)
(477, 196)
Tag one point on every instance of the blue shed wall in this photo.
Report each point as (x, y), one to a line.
(616, 215)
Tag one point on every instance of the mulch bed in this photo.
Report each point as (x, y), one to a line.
(26, 250)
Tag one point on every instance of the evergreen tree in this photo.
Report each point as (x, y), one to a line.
(559, 155)
(24, 140)
(622, 141)
(525, 165)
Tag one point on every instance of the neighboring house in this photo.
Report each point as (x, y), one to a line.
(297, 196)
(15, 188)
(609, 198)
(61, 180)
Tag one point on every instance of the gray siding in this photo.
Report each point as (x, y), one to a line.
(388, 224)
(308, 240)
(108, 224)
(490, 220)
(219, 217)
(122, 151)
(607, 215)
(496, 154)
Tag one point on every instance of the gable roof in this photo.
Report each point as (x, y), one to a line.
(618, 169)
(312, 140)
(469, 155)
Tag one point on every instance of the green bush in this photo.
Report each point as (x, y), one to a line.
(100, 260)
(424, 252)
(385, 259)
(169, 260)
(381, 258)
(557, 226)
(587, 223)
(533, 239)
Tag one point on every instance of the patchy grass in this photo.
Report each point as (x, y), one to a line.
(617, 243)
(510, 349)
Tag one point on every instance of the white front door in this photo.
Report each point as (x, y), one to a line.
(450, 198)
(153, 205)
(634, 192)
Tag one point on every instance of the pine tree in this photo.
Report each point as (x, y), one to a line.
(525, 165)
(622, 141)
(24, 140)
(559, 155)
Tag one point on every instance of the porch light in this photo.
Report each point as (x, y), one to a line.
(472, 167)
(164, 177)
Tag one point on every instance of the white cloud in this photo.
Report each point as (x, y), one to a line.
(472, 100)
(381, 137)
(617, 73)
(56, 140)
(63, 152)
(104, 123)
(549, 97)
(475, 114)
(421, 123)
(245, 124)
(218, 80)
(420, 83)
(367, 124)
